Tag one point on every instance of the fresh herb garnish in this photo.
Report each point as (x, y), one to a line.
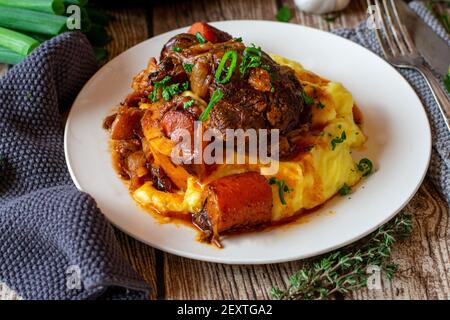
(320, 105)
(200, 38)
(365, 166)
(338, 140)
(231, 54)
(216, 96)
(308, 100)
(284, 14)
(251, 59)
(345, 270)
(188, 67)
(345, 190)
(177, 49)
(237, 39)
(153, 96)
(188, 104)
(282, 188)
(167, 91)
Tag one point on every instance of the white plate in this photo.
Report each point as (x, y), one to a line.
(395, 122)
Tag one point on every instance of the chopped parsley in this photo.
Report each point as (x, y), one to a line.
(251, 59)
(177, 49)
(282, 188)
(345, 190)
(153, 96)
(365, 166)
(284, 14)
(188, 67)
(167, 91)
(188, 104)
(308, 100)
(237, 39)
(200, 38)
(338, 140)
(320, 105)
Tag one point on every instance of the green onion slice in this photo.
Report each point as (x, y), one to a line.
(229, 54)
(216, 96)
(365, 166)
(200, 38)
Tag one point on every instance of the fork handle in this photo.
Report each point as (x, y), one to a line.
(441, 97)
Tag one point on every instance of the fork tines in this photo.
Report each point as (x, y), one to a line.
(394, 40)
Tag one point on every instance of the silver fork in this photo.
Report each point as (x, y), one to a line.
(399, 50)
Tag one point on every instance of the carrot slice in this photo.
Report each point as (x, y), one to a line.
(208, 32)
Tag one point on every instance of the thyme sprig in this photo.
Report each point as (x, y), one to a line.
(345, 270)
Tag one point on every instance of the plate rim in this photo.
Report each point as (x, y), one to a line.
(240, 261)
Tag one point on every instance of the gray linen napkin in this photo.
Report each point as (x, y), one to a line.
(439, 170)
(54, 241)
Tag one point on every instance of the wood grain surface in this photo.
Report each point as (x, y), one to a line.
(424, 259)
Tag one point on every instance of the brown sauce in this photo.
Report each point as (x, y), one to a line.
(357, 115)
(178, 219)
(302, 145)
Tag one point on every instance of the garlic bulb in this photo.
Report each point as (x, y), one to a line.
(321, 6)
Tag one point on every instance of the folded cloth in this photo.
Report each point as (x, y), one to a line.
(439, 170)
(54, 241)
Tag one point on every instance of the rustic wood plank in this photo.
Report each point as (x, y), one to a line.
(350, 17)
(190, 279)
(424, 259)
(128, 27)
(171, 15)
(142, 258)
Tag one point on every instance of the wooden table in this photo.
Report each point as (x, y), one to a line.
(424, 259)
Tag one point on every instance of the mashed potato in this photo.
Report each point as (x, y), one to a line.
(312, 177)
